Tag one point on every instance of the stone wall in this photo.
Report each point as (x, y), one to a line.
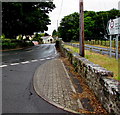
(106, 89)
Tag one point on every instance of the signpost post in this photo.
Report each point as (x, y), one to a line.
(114, 29)
(110, 46)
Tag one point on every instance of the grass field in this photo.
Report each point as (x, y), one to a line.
(110, 64)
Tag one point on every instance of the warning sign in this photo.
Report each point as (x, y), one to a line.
(114, 26)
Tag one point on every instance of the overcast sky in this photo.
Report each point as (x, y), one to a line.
(66, 7)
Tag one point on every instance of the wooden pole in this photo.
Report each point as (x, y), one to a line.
(81, 26)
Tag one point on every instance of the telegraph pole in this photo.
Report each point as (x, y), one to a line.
(81, 26)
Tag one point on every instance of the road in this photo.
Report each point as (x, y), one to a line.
(18, 67)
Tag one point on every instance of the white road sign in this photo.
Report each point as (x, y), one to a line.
(114, 26)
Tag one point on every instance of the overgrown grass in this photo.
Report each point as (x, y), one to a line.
(110, 64)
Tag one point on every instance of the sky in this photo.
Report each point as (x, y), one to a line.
(66, 7)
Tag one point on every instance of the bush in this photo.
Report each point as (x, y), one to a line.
(25, 44)
(13, 43)
(8, 45)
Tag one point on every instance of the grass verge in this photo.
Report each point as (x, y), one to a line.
(110, 64)
(98, 45)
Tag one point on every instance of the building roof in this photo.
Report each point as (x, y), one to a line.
(45, 37)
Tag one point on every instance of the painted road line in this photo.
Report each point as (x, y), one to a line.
(48, 58)
(34, 60)
(52, 57)
(14, 63)
(25, 62)
(42, 59)
(3, 65)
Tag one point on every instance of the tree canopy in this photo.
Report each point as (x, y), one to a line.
(25, 17)
(69, 27)
(95, 25)
(54, 33)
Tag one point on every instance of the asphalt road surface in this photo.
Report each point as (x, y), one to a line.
(18, 67)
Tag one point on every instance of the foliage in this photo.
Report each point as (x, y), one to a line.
(38, 37)
(25, 18)
(2, 36)
(54, 33)
(69, 27)
(46, 34)
(13, 43)
(95, 24)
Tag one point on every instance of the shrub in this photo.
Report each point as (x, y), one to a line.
(8, 45)
(13, 43)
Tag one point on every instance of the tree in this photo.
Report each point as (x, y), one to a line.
(54, 33)
(46, 34)
(95, 25)
(25, 17)
(69, 27)
(89, 24)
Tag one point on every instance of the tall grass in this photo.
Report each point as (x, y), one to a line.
(110, 64)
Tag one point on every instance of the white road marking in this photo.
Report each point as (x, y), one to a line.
(34, 60)
(42, 59)
(14, 63)
(52, 57)
(25, 62)
(3, 65)
(47, 58)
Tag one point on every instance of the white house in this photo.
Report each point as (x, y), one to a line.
(48, 39)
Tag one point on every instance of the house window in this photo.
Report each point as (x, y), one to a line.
(51, 40)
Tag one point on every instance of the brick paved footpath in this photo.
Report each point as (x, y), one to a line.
(52, 82)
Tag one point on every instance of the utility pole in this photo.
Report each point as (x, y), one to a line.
(81, 26)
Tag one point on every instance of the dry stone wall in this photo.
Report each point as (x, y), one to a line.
(106, 89)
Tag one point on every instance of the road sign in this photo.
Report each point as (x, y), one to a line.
(114, 26)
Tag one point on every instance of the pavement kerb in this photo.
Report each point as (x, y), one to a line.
(72, 87)
(48, 100)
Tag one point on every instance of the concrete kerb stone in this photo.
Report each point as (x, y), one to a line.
(36, 84)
